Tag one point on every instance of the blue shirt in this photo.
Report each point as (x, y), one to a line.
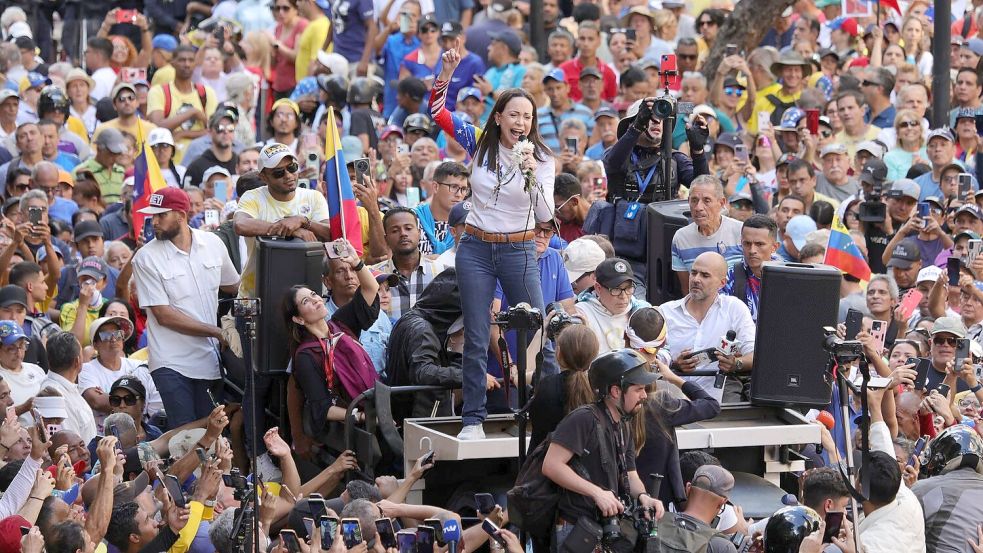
(375, 340)
(884, 119)
(470, 66)
(67, 161)
(63, 209)
(931, 188)
(752, 290)
(348, 25)
(450, 10)
(393, 52)
(550, 122)
(507, 76)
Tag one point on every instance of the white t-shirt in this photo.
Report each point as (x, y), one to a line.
(25, 383)
(105, 79)
(95, 375)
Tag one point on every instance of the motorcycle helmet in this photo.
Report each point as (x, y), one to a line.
(788, 527)
(362, 91)
(52, 99)
(954, 448)
(621, 367)
(417, 122)
(336, 87)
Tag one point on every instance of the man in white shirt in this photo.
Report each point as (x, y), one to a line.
(23, 378)
(606, 310)
(178, 277)
(97, 55)
(64, 366)
(701, 320)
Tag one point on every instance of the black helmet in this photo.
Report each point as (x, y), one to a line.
(620, 367)
(336, 87)
(788, 527)
(52, 99)
(362, 91)
(417, 121)
(954, 448)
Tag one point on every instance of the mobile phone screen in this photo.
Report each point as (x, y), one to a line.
(351, 532)
(833, 523)
(174, 489)
(425, 537)
(387, 534)
(329, 527)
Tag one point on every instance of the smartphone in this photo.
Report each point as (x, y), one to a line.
(148, 229)
(133, 74)
(425, 538)
(24, 530)
(39, 426)
(290, 541)
(492, 529)
(669, 64)
(910, 302)
(965, 190)
(812, 121)
(34, 215)
(943, 390)
(336, 249)
(438, 529)
(304, 183)
(412, 196)
(485, 503)
(317, 506)
(53, 429)
(979, 124)
(952, 266)
(571, 143)
(405, 540)
(917, 451)
(428, 458)
(211, 397)
(854, 322)
(174, 490)
(922, 211)
(764, 120)
(833, 523)
(962, 353)
(873, 383)
(630, 35)
(202, 457)
(730, 50)
(329, 527)
(351, 532)
(878, 331)
(740, 152)
(975, 246)
(309, 526)
(600, 183)
(402, 148)
(921, 370)
(115, 432)
(387, 534)
(211, 217)
(126, 16)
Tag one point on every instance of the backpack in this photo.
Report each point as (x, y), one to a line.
(532, 502)
(345, 359)
(780, 107)
(202, 95)
(677, 534)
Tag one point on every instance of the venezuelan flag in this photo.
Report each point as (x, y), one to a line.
(342, 209)
(843, 254)
(147, 179)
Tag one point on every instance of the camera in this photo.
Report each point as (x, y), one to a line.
(361, 165)
(558, 322)
(610, 530)
(238, 483)
(666, 106)
(843, 351)
(520, 317)
(873, 209)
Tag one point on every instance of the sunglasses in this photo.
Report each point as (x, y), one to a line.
(706, 23)
(733, 91)
(225, 128)
(687, 56)
(942, 340)
(825, 134)
(126, 98)
(279, 172)
(908, 124)
(869, 83)
(129, 399)
(110, 335)
(282, 8)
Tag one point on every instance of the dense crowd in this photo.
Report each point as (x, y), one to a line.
(453, 171)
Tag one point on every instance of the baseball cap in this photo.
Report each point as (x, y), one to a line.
(714, 479)
(731, 82)
(111, 139)
(10, 532)
(975, 45)
(128, 491)
(944, 132)
(390, 129)
(131, 384)
(6, 93)
(874, 171)
(10, 332)
(124, 324)
(613, 272)
(785, 159)
(223, 112)
(967, 233)
(85, 229)
(590, 71)
(928, 274)
(872, 148)
(729, 139)
(739, 197)
(798, 229)
(905, 254)
(640, 375)
(605, 111)
(51, 407)
(92, 266)
(271, 155)
(121, 87)
(510, 39)
(33, 80)
(286, 102)
(581, 257)
(451, 29)
(965, 113)
(164, 42)
(500, 6)
(351, 146)
(904, 187)
(167, 199)
(835, 148)
(459, 213)
(972, 209)
(950, 325)
(160, 135)
(790, 119)
(470, 92)
(391, 279)
(12, 294)
(215, 170)
(66, 177)
(936, 201)
(555, 75)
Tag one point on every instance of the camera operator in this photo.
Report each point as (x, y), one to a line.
(594, 438)
(884, 211)
(706, 496)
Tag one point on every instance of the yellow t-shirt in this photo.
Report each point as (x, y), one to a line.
(852, 142)
(309, 43)
(69, 312)
(76, 125)
(140, 130)
(761, 103)
(181, 101)
(163, 75)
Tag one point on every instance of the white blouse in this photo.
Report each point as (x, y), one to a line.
(510, 208)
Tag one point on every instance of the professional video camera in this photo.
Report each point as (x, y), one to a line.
(520, 317)
(559, 321)
(665, 106)
(873, 209)
(238, 483)
(844, 351)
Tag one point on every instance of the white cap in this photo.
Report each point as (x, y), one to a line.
(51, 407)
(271, 155)
(581, 256)
(160, 135)
(928, 274)
(336, 63)
(19, 29)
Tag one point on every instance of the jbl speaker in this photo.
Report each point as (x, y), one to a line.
(281, 263)
(796, 302)
(664, 219)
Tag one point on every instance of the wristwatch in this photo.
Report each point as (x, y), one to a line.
(976, 388)
(210, 503)
(739, 365)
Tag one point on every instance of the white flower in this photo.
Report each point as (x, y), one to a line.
(520, 150)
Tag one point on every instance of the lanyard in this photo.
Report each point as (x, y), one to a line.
(643, 184)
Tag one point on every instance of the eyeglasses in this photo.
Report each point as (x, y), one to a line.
(706, 22)
(942, 340)
(618, 292)
(733, 91)
(462, 190)
(285, 114)
(686, 56)
(869, 83)
(908, 124)
(279, 172)
(968, 402)
(49, 190)
(110, 335)
(24, 186)
(225, 128)
(544, 231)
(129, 399)
(282, 8)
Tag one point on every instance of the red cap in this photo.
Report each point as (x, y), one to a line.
(167, 199)
(849, 26)
(10, 535)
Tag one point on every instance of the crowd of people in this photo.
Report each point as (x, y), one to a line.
(147, 146)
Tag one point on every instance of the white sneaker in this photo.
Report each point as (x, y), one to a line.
(472, 432)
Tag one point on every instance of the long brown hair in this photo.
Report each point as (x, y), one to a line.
(487, 152)
(288, 306)
(576, 347)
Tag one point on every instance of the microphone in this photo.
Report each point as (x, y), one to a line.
(523, 137)
(452, 534)
(728, 344)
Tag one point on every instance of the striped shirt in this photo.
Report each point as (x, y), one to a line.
(405, 294)
(549, 122)
(688, 244)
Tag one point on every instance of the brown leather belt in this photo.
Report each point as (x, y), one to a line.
(499, 237)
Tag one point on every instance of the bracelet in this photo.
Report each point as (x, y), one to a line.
(360, 266)
(976, 388)
(38, 498)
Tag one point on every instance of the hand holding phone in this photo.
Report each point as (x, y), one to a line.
(834, 521)
(174, 490)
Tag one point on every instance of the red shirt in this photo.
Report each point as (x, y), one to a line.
(572, 68)
(570, 231)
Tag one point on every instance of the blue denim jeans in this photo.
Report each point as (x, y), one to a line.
(185, 399)
(479, 265)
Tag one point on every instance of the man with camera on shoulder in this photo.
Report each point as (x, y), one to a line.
(592, 453)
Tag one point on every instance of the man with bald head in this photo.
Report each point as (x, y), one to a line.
(44, 177)
(698, 322)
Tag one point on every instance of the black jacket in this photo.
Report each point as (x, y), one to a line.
(548, 407)
(659, 454)
(617, 160)
(418, 354)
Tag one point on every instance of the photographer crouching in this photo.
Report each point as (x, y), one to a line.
(638, 175)
(592, 456)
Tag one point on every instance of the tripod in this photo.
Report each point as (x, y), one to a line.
(523, 319)
(246, 313)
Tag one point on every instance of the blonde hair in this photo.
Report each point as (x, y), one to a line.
(263, 48)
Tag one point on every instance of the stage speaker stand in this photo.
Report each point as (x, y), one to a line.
(664, 219)
(797, 301)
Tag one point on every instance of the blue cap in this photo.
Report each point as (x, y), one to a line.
(164, 42)
(556, 75)
(791, 118)
(459, 213)
(323, 4)
(10, 333)
(798, 228)
(975, 45)
(36, 79)
(470, 92)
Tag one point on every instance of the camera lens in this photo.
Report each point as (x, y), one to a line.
(663, 108)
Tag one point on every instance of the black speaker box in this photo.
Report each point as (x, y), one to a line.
(281, 263)
(797, 301)
(664, 219)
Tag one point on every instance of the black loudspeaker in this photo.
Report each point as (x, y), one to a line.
(797, 301)
(281, 263)
(664, 219)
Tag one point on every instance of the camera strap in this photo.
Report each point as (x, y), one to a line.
(620, 455)
(643, 184)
